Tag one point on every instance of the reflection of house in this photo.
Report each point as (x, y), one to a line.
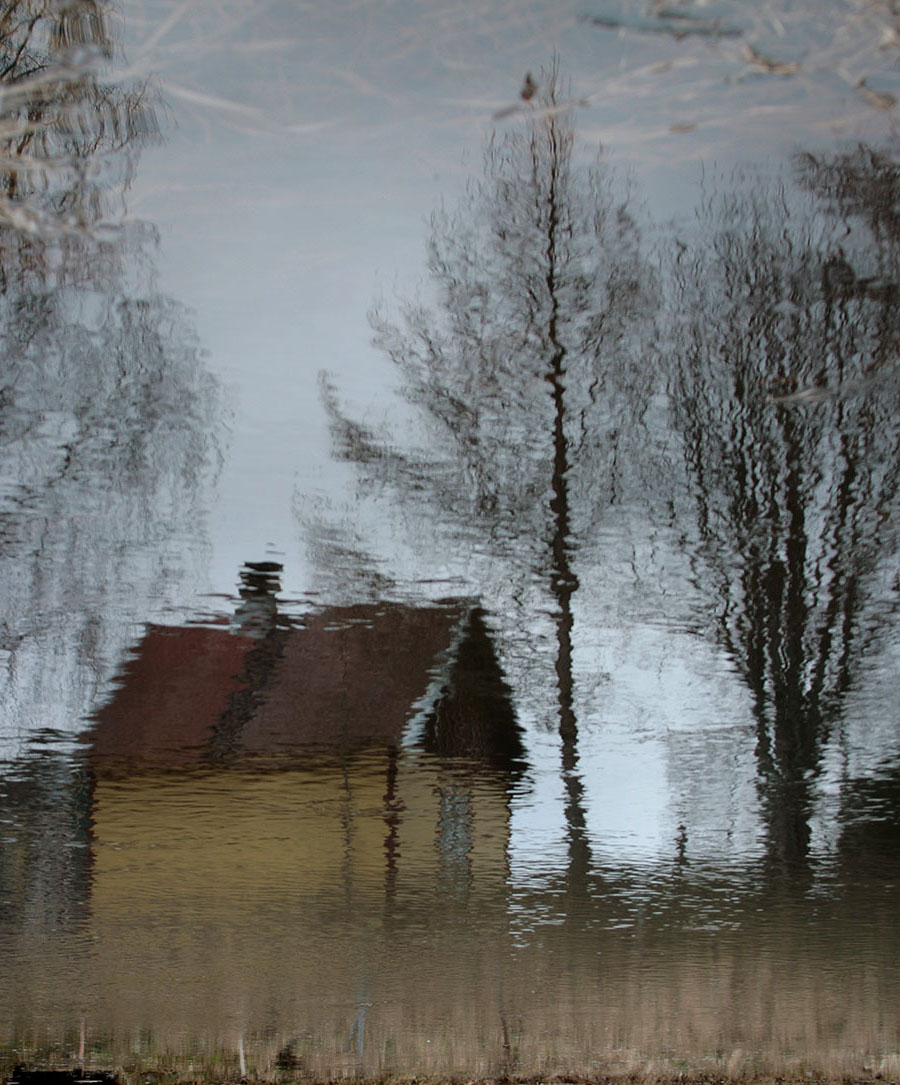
(262, 803)
(347, 678)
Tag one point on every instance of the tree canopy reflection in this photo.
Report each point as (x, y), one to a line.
(541, 294)
(107, 412)
(69, 138)
(781, 368)
(108, 421)
(554, 367)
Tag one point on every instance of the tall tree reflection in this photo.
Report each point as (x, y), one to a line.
(106, 409)
(541, 293)
(780, 373)
(107, 434)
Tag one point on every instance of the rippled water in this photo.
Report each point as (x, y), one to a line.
(448, 538)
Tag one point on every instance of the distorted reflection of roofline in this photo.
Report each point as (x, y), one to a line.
(273, 688)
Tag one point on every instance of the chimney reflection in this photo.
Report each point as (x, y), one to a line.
(257, 613)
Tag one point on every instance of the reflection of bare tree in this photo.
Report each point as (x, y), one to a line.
(780, 377)
(105, 406)
(68, 139)
(107, 422)
(540, 284)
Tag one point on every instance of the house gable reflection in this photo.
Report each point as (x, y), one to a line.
(474, 715)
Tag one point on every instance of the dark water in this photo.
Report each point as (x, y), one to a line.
(449, 538)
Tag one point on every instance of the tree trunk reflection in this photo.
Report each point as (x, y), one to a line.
(541, 286)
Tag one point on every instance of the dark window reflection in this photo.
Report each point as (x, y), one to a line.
(474, 717)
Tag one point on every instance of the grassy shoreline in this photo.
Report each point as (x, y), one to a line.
(222, 1069)
(646, 1076)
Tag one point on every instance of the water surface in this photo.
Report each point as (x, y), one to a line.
(449, 538)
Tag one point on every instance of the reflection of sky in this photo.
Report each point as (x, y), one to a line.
(668, 742)
(309, 147)
(281, 285)
(307, 150)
